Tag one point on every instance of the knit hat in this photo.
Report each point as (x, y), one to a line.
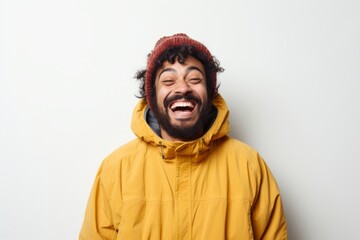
(165, 43)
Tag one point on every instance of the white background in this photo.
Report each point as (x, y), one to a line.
(67, 93)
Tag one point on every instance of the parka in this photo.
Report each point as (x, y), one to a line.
(215, 187)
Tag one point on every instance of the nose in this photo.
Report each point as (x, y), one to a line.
(182, 87)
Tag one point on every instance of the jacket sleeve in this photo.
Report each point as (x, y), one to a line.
(98, 223)
(268, 217)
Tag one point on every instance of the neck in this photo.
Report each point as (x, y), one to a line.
(168, 137)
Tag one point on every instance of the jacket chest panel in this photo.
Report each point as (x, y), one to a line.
(180, 199)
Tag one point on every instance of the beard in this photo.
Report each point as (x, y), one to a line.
(182, 131)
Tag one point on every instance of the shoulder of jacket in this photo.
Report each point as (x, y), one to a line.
(121, 154)
(242, 152)
(238, 145)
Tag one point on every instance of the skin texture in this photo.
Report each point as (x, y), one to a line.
(181, 100)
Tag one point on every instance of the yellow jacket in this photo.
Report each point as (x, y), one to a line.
(215, 187)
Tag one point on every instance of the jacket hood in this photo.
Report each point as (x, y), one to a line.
(196, 149)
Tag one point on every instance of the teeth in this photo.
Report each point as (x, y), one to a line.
(181, 104)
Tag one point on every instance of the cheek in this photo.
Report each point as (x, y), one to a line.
(160, 96)
(202, 92)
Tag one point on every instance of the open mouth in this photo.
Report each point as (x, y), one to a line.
(182, 106)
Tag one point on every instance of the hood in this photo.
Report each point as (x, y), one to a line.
(195, 149)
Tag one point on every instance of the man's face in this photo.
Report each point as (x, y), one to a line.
(181, 99)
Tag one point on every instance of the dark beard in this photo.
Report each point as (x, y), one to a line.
(184, 133)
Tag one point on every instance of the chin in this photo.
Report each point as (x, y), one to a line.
(183, 124)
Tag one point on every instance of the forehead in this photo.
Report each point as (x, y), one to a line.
(189, 63)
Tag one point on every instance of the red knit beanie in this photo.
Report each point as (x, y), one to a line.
(165, 43)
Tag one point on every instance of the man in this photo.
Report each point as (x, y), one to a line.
(183, 177)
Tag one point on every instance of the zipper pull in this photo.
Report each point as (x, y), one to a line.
(161, 150)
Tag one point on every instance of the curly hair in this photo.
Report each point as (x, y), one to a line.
(180, 53)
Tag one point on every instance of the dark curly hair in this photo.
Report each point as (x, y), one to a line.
(180, 53)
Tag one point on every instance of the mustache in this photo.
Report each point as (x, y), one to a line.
(190, 97)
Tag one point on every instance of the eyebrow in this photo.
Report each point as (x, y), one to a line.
(189, 69)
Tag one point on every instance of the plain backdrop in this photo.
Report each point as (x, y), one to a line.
(291, 81)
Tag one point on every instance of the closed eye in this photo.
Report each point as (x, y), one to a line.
(167, 82)
(195, 80)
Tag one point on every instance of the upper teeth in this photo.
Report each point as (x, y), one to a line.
(181, 104)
